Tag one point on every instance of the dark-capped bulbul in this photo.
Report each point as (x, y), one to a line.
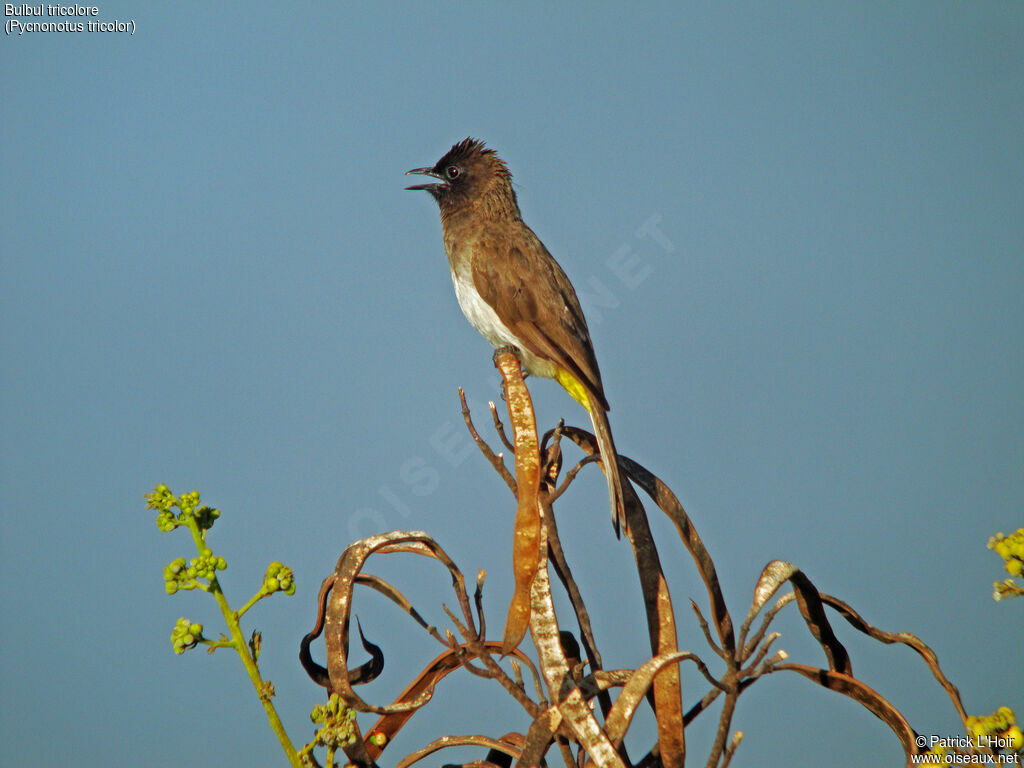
(512, 290)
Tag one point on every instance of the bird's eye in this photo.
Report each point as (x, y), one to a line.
(452, 171)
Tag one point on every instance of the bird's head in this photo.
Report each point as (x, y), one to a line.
(467, 172)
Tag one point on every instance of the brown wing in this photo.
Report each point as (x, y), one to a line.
(514, 273)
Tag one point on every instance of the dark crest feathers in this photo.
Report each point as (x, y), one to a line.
(469, 149)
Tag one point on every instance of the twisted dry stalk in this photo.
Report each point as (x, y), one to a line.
(559, 705)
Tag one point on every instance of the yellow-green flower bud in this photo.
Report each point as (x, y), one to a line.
(975, 726)
(1016, 737)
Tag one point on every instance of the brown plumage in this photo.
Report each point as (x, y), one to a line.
(512, 290)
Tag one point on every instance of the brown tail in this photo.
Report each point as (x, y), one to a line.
(609, 458)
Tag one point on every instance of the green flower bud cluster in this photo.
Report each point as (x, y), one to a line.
(186, 635)
(337, 723)
(1001, 723)
(278, 578)
(176, 576)
(206, 565)
(163, 501)
(166, 521)
(188, 502)
(1011, 549)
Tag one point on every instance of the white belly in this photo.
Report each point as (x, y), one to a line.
(487, 322)
(479, 312)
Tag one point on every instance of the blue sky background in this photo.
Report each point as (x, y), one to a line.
(213, 278)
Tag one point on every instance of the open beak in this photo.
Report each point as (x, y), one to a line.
(424, 172)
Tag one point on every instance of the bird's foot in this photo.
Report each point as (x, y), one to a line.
(508, 349)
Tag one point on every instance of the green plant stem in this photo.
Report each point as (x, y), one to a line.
(215, 644)
(239, 644)
(252, 601)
